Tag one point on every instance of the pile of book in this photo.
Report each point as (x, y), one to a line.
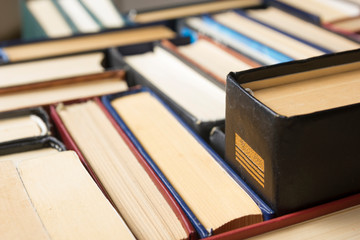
(226, 119)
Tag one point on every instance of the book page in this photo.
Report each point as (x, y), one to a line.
(87, 43)
(193, 92)
(50, 69)
(215, 198)
(53, 94)
(69, 203)
(344, 224)
(303, 29)
(18, 218)
(322, 9)
(50, 19)
(21, 127)
(105, 12)
(278, 41)
(79, 16)
(312, 94)
(193, 9)
(133, 192)
(213, 59)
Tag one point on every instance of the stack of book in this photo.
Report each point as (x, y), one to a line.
(211, 120)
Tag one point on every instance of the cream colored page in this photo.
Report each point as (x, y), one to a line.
(19, 156)
(213, 58)
(49, 18)
(213, 196)
(185, 86)
(50, 69)
(280, 42)
(340, 225)
(79, 16)
(87, 43)
(68, 201)
(50, 95)
(303, 29)
(105, 11)
(18, 128)
(351, 25)
(192, 10)
(18, 218)
(326, 12)
(312, 95)
(134, 194)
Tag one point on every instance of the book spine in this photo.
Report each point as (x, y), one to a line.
(31, 28)
(3, 57)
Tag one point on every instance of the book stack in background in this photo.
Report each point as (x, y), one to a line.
(181, 120)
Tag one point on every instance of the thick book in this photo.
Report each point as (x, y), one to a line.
(288, 125)
(192, 172)
(296, 27)
(124, 176)
(337, 219)
(62, 18)
(30, 50)
(55, 199)
(58, 79)
(25, 124)
(198, 98)
(211, 57)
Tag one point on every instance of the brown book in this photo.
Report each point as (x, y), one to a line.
(85, 43)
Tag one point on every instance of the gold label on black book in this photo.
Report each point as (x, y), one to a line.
(249, 160)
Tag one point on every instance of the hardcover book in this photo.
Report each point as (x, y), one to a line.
(192, 172)
(288, 125)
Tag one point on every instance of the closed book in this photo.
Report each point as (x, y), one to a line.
(129, 182)
(292, 130)
(186, 165)
(194, 95)
(25, 124)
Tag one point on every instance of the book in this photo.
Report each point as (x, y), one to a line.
(276, 40)
(56, 199)
(79, 17)
(192, 172)
(54, 19)
(300, 28)
(50, 69)
(23, 124)
(197, 98)
(105, 12)
(84, 43)
(289, 225)
(345, 222)
(273, 143)
(213, 59)
(160, 11)
(326, 11)
(149, 213)
(32, 95)
(50, 20)
(232, 39)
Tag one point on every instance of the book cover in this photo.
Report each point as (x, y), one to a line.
(292, 160)
(202, 231)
